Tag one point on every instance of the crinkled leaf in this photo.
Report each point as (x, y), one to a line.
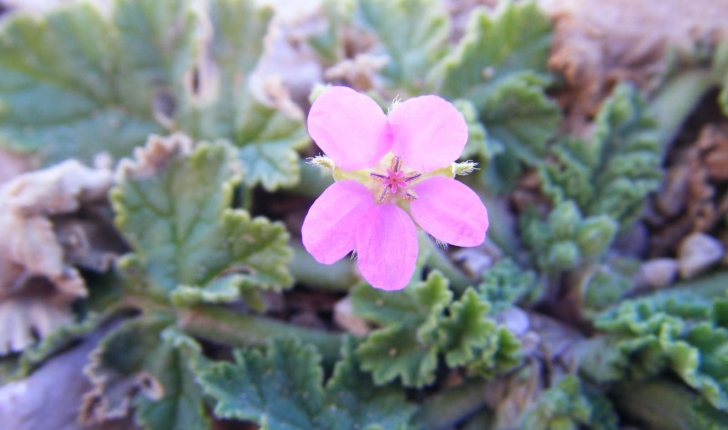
(617, 168)
(282, 389)
(477, 145)
(504, 284)
(412, 34)
(74, 83)
(520, 118)
(257, 117)
(566, 239)
(162, 363)
(178, 221)
(514, 44)
(500, 65)
(564, 406)
(678, 332)
(420, 323)
(465, 330)
(407, 346)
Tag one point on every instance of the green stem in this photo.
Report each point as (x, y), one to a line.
(227, 326)
(661, 404)
(451, 406)
(339, 276)
(230, 327)
(677, 99)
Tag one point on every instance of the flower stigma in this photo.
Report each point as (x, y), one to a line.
(395, 182)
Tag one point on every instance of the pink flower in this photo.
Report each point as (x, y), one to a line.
(390, 170)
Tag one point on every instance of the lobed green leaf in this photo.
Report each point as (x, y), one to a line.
(172, 207)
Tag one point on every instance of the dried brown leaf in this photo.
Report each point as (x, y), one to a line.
(689, 200)
(37, 284)
(597, 43)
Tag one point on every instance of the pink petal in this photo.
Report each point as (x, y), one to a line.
(450, 211)
(386, 245)
(429, 133)
(329, 230)
(350, 128)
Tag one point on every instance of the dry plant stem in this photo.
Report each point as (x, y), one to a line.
(452, 405)
(305, 269)
(677, 98)
(659, 404)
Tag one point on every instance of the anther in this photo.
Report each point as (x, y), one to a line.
(412, 176)
(409, 196)
(396, 164)
(383, 195)
(378, 177)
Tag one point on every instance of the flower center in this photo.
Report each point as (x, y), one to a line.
(395, 182)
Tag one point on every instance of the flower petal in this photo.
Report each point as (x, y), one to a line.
(329, 230)
(350, 128)
(386, 246)
(450, 211)
(428, 132)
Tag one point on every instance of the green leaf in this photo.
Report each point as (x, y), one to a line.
(407, 346)
(412, 34)
(257, 117)
(161, 362)
(74, 83)
(283, 390)
(420, 323)
(613, 172)
(501, 66)
(505, 284)
(477, 145)
(465, 330)
(520, 118)
(676, 332)
(565, 239)
(514, 44)
(173, 208)
(564, 406)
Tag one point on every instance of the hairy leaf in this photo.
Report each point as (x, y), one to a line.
(613, 172)
(565, 406)
(566, 239)
(74, 83)
(681, 332)
(412, 34)
(505, 284)
(143, 364)
(500, 65)
(283, 390)
(514, 44)
(420, 323)
(257, 117)
(173, 207)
